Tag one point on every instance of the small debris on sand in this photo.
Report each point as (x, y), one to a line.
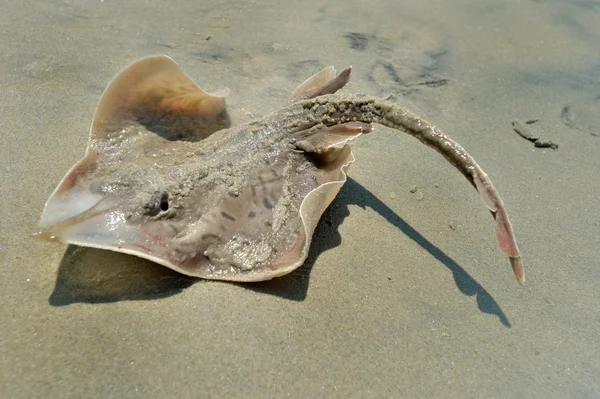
(524, 131)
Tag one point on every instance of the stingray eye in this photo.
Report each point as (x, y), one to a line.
(164, 202)
(155, 205)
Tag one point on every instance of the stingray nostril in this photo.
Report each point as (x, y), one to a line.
(164, 202)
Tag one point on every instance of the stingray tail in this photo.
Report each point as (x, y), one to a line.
(396, 117)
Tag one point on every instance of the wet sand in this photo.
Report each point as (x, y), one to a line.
(405, 293)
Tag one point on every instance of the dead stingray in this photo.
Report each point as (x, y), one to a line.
(168, 177)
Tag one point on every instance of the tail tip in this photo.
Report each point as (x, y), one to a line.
(517, 266)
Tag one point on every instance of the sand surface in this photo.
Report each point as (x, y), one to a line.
(405, 294)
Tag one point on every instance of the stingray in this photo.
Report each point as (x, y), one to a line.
(172, 175)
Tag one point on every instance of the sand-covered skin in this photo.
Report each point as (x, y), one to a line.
(403, 294)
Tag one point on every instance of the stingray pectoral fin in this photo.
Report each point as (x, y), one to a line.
(315, 203)
(153, 88)
(70, 198)
(78, 215)
(327, 148)
(83, 218)
(265, 230)
(323, 82)
(330, 181)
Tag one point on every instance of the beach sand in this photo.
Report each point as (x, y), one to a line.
(405, 293)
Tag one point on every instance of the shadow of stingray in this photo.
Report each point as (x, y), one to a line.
(92, 275)
(96, 276)
(294, 286)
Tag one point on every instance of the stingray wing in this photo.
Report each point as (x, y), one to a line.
(155, 93)
(147, 110)
(265, 230)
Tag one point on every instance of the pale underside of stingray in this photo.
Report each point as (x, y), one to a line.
(170, 176)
